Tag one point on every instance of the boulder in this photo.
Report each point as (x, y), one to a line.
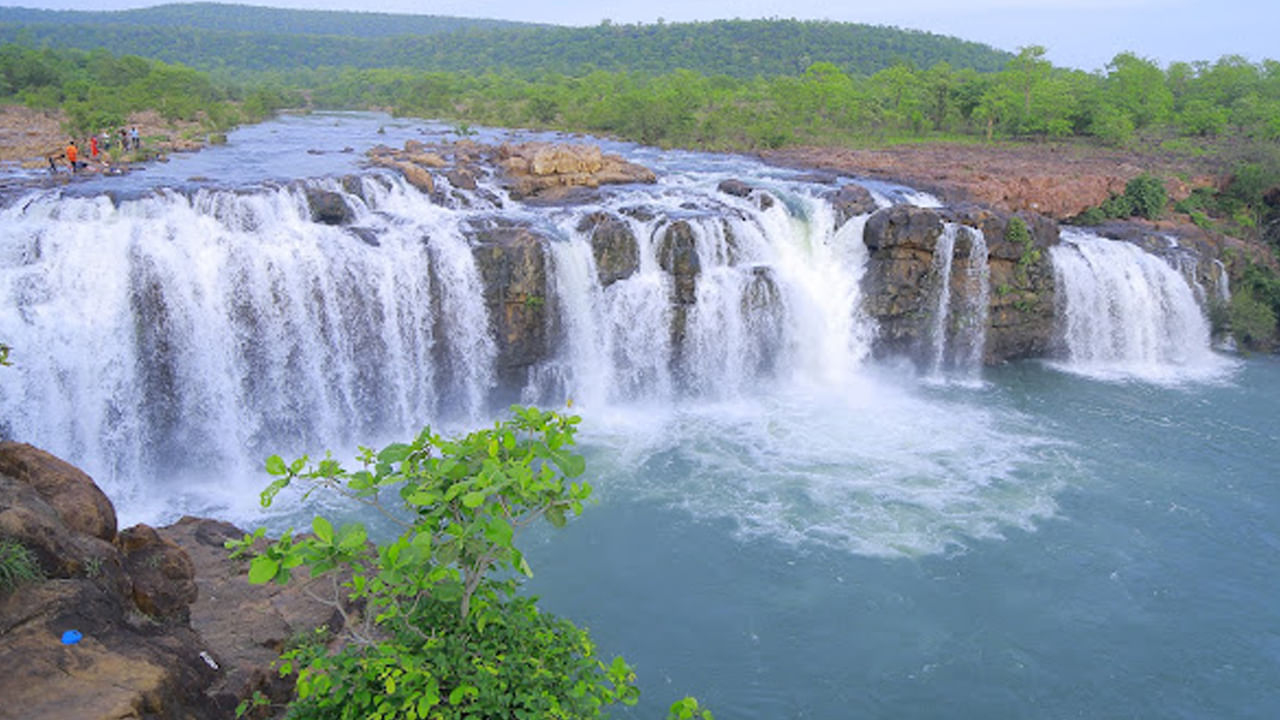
(328, 207)
(242, 627)
(163, 575)
(850, 201)
(614, 246)
(169, 626)
(62, 551)
(738, 188)
(127, 665)
(463, 178)
(78, 501)
(416, 175)
(678, 255)
(513, 268)
(530, 169)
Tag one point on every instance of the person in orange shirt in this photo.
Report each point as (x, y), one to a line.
(72, 151)
(93, 147)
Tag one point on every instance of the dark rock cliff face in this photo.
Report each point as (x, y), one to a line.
(613, 245)
(1023, 308)
(900, 285)
(901, 241)
(170, 628)
(512, 260)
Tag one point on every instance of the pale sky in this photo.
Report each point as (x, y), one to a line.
(1078, 33)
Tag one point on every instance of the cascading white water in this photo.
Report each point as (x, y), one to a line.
(1127, 313)
(958, 332)
(777, 295)
(941, 292)
(174, 334)
(971, 332)
(1223, 284)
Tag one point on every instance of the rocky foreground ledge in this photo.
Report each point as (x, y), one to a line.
(168, 626)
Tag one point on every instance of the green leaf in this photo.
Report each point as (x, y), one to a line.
(572, 465)
(499, 532)
(474, 499)
(323, 530)
(297, 465)
(394, 453)
(272, 490)
(263, 569)
(556, 516)
(276, 466)
(352, 536)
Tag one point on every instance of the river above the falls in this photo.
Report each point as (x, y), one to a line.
(784, 528)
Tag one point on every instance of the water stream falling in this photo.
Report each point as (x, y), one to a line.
(1126, 313)
(942, 261)
(971, 333)
(961, 306)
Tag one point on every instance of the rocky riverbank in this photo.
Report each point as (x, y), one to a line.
(28, 136)
(1058, 180)
(135, 623)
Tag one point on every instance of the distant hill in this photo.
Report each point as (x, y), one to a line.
(234, 38)
(221, 17)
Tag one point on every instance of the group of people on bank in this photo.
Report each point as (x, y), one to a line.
(99, 146)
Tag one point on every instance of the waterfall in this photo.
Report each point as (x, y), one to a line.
(776, 296)
(185, 334)
(1223, 283)
(971, 332)
(942, 260)
(958, 332)
(180, 334)
(1126, 313)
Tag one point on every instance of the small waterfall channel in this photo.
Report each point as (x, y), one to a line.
(961, 305)
(1124, 312)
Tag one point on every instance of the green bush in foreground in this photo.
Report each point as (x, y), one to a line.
(444, 633)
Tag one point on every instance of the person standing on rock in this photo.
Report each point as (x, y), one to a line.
(93, 147)
(72, 152)
(133, 136)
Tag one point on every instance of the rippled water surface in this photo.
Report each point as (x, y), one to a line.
(1047, 546)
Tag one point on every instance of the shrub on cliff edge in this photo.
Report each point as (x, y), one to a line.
(1146, 196)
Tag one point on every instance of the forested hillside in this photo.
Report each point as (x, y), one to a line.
(222, 17)
(232, 39)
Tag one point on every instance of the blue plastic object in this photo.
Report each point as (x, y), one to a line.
(71, 637)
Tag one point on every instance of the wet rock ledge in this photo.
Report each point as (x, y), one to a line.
(533, 172)
(169, 627)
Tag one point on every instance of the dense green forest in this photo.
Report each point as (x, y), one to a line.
(231, 40)
(245, 18)
(97, 89)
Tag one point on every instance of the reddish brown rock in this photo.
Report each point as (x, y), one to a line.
(533, 168)
(163, 576)
(81, 505)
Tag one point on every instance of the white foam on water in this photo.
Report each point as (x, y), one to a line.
(870, 467)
